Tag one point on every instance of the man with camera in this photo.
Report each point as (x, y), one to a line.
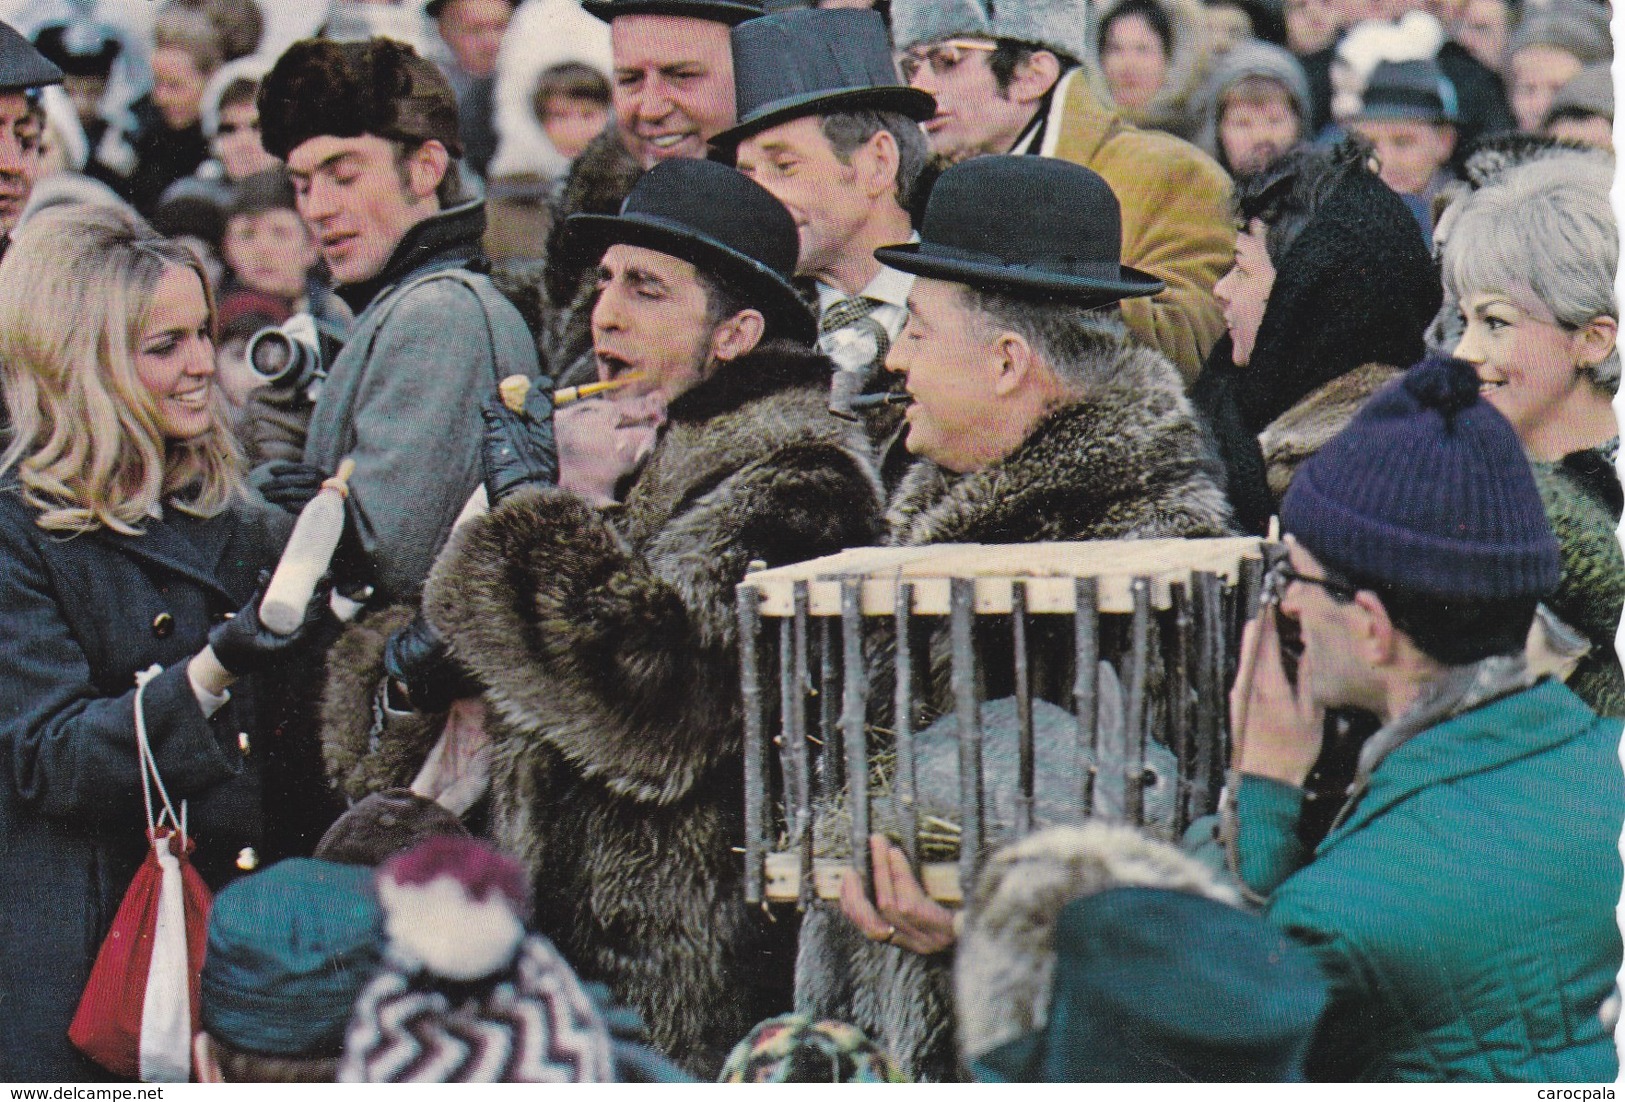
(369, 134)
(1462, 905)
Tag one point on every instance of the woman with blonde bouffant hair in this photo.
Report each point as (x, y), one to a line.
(126, 548)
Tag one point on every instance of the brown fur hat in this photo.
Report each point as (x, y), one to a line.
(347, 89)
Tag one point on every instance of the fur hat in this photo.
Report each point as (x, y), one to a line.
(1577, 26)
(346, 89)
(1058, 25)
(926, 22)
(384, 824)
(1154, 985)
(1006, 957)
(1590, 92)
(466, 995)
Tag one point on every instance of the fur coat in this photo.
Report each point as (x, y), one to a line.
(607, 643)
(1130, 461)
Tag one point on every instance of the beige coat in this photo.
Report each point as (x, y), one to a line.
(1176, 217)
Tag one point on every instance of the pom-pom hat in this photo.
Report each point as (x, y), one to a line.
(1427, 489)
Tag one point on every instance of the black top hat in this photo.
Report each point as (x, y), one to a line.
(53, 43)
(1024, 225)
(815, 62)
(21, 66)
(717, 11)
(717, 219)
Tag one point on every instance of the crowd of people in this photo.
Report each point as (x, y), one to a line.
(588, 308)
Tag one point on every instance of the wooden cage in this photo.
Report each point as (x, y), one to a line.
(1161, 616)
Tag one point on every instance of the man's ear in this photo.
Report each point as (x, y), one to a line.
(876, 164)
(1374, 633)
(1034, 78)
(426, 166)
(1015, 362)
(208, 1068)
(738, 335)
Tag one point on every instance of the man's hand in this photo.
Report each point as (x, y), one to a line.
(1276, 731)
(292, 485)
(601, 442)
(902, 914)
(517, 449)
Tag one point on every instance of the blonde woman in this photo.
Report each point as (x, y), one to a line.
(124, 543)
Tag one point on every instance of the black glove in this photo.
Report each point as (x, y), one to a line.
(518, 449)
(292, 485)
(243, 645)
(416, 656)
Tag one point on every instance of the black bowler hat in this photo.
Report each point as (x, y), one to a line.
(815, 62)
(719, 220)
(21, 66)
(1024, 225)
(717, 11)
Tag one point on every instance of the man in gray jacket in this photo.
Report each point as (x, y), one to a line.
(369, 133)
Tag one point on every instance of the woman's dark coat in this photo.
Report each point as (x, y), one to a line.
(78, 618)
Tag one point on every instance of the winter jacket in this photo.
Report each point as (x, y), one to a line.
(160, 156)
(1176, 107)
(1355, 286)
(606, 640)
(79, 618)
(1175, 210)
(1128, 462)
(1464, 909)
(431, 340)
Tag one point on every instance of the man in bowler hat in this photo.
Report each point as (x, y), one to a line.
(826, 127)
(23, 72)
(604, 639)
(1034, 418)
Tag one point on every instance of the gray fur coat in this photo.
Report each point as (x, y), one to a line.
(607, 643)
(1128, 461)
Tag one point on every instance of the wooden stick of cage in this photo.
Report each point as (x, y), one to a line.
(967, 707)
(1134, 721)
(757, 842)
(1086, 689)
(1024, 710)
(854, 712)
(907, 798)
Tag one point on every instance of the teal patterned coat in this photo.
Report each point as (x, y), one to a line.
(1464, 910)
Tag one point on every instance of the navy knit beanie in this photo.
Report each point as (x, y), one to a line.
(1427, 489)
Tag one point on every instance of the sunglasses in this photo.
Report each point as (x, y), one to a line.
(943, 58)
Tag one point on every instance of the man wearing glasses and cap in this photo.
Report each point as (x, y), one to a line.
(1462, 905)
(1015, 82)
(599, 617)
(1035, 418)
(23, 72)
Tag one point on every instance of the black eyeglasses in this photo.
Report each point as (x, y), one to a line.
(1281, 575)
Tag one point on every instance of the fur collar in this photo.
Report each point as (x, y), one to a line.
(1129, 461)
(767, 369)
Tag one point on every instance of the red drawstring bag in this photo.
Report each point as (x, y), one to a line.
(140, 1006)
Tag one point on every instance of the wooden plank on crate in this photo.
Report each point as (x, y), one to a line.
(941, 878)
(1047, 568)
